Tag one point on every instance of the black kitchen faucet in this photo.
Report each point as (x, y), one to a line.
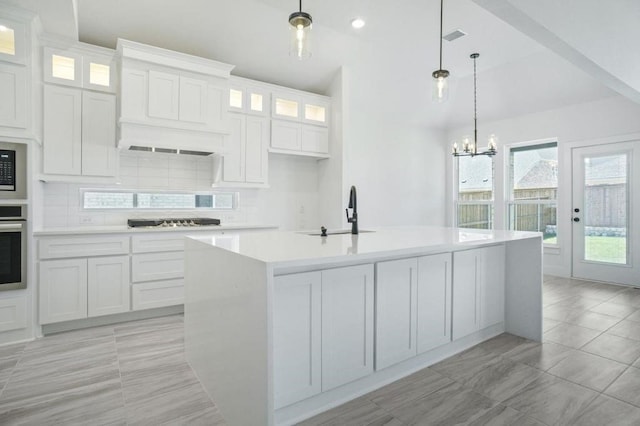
(353, 204)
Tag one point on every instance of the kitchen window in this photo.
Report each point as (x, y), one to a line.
(533, 189)
(113, 200)
(474, 201)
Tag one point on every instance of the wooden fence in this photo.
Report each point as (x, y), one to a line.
(605, 207)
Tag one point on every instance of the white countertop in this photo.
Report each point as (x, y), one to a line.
(115, 229)
(291, 249)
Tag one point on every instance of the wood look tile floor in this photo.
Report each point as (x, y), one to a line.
(585, 372)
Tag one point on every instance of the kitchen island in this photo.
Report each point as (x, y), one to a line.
(280, 326)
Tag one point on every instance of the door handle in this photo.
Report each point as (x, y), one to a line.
(576, 219)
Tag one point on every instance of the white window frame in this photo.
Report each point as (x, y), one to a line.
(508, 185)
(457, 202)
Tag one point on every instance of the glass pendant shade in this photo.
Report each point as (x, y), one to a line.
(440, 86)
(300, 35)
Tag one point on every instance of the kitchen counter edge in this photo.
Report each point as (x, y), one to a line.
(88, 230)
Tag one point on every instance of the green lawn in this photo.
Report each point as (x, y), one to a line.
(606, 249)
(601, 249)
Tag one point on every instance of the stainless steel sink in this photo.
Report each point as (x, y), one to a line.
(339, 232)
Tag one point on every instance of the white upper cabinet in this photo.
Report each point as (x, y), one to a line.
(13, 101)
(249, 97)
(80, 65)
(300, 123)
(301, 106)
(172, 100)
(99, 152)
(164, 95)
(79, 132)
(13, 41)
(62, 149)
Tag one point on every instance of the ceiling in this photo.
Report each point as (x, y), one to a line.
(516, 74)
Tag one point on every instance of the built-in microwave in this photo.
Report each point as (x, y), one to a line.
(13, 247)
(13, 171)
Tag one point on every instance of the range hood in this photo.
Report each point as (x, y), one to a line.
(171, 102)
(154, 138)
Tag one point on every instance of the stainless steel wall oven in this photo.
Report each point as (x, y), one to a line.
(13, 247)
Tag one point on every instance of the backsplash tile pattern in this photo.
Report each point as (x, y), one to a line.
(291, 202)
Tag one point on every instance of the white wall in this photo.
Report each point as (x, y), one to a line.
(291, 202)
(396, 164)
(613, 118)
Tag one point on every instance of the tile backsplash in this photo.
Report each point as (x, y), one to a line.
(291, 202)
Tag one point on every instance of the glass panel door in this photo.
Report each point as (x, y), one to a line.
(604, 213)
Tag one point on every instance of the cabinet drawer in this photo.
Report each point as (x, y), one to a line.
(157, 266)
(157, 243)
(157, 294)
(55, 248)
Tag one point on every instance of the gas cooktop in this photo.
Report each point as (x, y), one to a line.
(172, 222)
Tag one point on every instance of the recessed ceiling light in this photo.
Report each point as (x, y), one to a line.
(357, 23)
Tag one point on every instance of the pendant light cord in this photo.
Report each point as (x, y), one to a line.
(300, 5)
(475, 113)
(441, 13)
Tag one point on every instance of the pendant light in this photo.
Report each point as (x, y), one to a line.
(300, 31)
(440, 86)
(467, 148)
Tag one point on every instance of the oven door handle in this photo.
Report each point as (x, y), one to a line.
(11, 226)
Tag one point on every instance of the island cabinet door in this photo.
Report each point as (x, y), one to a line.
(465, 293)
(434, 301)
(296, 337)
(396, 311)
(347, 325)
(492, 290)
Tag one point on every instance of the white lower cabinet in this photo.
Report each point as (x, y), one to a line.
(396, 311)
(492, 290)
(322, 331)
(434, 301)
(157, 266)
(478, 289)
(63, 290)
(413, 307)
(157, 294)
(296, 337)
(79, 288)
(108, 285)
(347, 324)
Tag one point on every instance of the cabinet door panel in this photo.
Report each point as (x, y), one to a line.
(465, 293)
(157, 266)
(315, 139)
(396, 302)
(434, 301)
(492, 286)
(63, 290)
(99, 152)
(285, 135)
(257, 140)
(62, 130)
(13, 102)
(134, 89)
(234, 165)
(157, 294)
(347, 325)
(296, 337)
(193, 100)
(108, 289)
(164, 90)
